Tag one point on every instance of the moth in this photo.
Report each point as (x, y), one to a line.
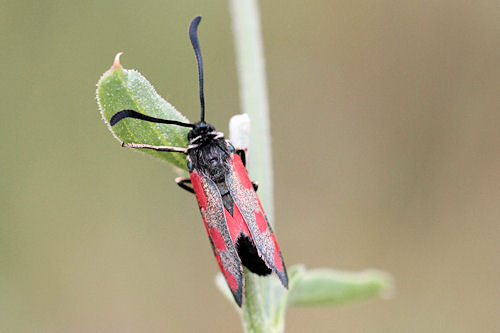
(237, 226)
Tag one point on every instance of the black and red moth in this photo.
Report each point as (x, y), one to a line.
(235, 221)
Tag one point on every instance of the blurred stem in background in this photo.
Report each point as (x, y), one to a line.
(253, 95)
(254, 102)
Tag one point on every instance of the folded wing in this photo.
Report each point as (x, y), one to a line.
(245, 198)
(214, 218)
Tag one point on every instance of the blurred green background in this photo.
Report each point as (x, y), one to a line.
(386, 128)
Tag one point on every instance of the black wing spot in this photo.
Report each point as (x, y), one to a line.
(250, 257)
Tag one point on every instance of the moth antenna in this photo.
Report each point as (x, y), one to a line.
(193, 36)
(136, 115)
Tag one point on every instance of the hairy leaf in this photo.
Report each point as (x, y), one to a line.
(121, 89)
(330, 287)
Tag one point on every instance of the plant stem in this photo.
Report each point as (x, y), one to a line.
(253, 95)
(256, 312)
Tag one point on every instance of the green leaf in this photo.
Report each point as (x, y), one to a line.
(331, 287)
(121, 89)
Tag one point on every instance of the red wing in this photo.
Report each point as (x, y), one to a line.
(214, 217)
(249, 205)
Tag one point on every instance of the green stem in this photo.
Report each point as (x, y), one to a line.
(253, 95)
(256, 312)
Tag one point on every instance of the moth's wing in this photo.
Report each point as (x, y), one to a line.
(242, 238)
(249, 205)
(214, 217)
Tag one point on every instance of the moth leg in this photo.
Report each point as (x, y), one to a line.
(241, 153)
(183, 183)
(157, 148)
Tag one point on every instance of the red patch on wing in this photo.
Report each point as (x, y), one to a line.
(198, 189)
(277, 257)
(236, 224)
(217, 239)
(241, 171)
(261, 221)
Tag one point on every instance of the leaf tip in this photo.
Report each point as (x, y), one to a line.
(116, 62)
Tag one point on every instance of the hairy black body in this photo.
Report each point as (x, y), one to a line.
(208, 152)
